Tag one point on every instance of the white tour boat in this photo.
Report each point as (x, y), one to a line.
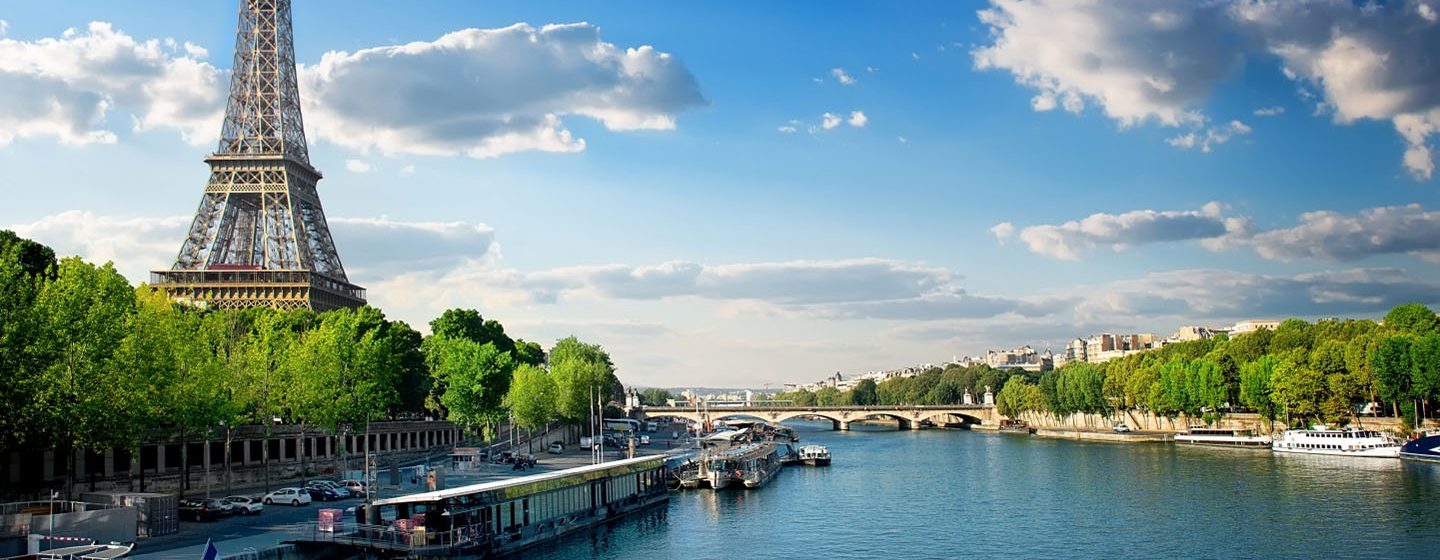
(1348, 443)
(1228, 437)
(815, 455)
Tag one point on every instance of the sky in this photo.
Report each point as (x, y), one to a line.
(757, 193)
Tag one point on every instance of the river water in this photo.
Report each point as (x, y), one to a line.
(947, 494)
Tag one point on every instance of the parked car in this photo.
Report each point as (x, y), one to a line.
(245, 505)
(355, 487)
(557, 447)
(201, 510)
(1121, 428)
(336, 488)
(320, 493)
(644, 440)
(292, 496)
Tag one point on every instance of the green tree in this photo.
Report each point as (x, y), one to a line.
(529, 353)
(1298, 389)
(655, 396)
(1391, 366)
(865, 393)
(1425, 370)
(532, 399)
(83, 313)
(1256, 388)
(477, 378)
(1412, 318)
(583, 375)
(1292, 334)
(830, 396)
(25, 266)
(469, 325)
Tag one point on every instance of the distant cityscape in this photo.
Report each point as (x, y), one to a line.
(1093, 349)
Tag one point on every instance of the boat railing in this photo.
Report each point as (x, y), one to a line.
(388, 537)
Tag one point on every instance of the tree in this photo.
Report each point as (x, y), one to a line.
(1425, 370)
(655, 396)
(529, 353)
(477, 378)
(829, 396)
(1298, 389)
(1412, 318)
(1391, 366)
(583, 375)
(1291, 334)
(25, 266)
(531, 398)
(83, 313)
(468, 324)
(415, 381)
(1011, 400)
(865, 393)
(1255, 386)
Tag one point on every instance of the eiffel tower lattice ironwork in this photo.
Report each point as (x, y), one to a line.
(259, 237)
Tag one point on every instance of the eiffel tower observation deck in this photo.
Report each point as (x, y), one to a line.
(259, 238)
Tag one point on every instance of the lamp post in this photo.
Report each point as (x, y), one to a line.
(53, 495)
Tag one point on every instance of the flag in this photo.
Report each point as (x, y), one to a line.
(210, 552)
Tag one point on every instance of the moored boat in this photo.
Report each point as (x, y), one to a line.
(1016, 426)
(815, 455)
(1227, 437)
(1426, 448)
(1346, 443)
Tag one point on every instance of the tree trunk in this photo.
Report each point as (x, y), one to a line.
(184, 464)
(228, 445)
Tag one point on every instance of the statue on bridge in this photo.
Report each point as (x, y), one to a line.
(968, 399)
(989, 397)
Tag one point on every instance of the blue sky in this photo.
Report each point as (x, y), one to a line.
(662, 180)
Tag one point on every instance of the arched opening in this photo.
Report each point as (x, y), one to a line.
(950, 420)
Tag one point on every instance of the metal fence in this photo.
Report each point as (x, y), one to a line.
(387, 537)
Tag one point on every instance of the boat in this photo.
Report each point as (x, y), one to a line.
(1348, 443)
(1016, 426)
(1425, 448)
(815, 455)
(1226, 437)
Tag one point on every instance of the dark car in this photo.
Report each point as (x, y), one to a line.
(202, 510)
(321, 494)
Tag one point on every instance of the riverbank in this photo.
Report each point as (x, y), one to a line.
(1104, 435)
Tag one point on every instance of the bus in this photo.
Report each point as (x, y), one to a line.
(622, 425)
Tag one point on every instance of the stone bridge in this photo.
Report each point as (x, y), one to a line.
(909, 417)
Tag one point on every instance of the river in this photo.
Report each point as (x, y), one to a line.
(946, 494)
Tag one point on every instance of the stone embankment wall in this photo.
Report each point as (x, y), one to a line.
(286, 453)
(1145, 421)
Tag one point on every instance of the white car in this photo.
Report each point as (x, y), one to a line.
(245, 505)
(292, 496)
(1121, 428)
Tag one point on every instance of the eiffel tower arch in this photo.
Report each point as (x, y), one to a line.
(259, 237)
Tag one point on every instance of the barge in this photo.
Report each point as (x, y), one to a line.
(494, 518)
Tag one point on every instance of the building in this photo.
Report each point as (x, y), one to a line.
(1252, 325)
(1022, 358)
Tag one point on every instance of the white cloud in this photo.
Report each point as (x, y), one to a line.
(1331, 236)
(902, 139)
(842, 77)
(915, 56)
(871, 69)
(66, 87)
(357, 166)
(1074, 239)
(1370, 61)
(409, 169)
(857, 119)
(4, 27)
(1269, 111)
(488, 92)
(786, 129)
(135, 245)
(1139, 61)
(829, 120)
(1187, 295)
(1209, 137)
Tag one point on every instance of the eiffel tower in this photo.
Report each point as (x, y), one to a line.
(260, 237)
